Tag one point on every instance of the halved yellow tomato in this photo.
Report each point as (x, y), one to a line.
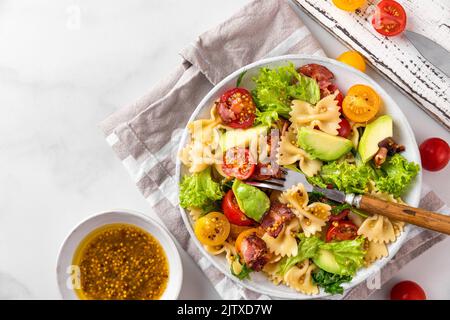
(243, 235)
(361, 103)
(212, 229)
(353, 59)
(349, 5)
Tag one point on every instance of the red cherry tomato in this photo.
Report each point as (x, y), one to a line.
(340, 216)
(389, 18)
(237, 108)
(231, 210)
(345, 128)
(238, 163)
(435, 154)
(407, 290)
(341, 230)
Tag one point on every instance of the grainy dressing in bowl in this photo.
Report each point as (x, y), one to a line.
(121, 261)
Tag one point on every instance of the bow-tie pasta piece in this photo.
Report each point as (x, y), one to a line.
(325, 114)
(200, 152)
(289, 153)
(285, 244)
(299, 278)
(312, 217)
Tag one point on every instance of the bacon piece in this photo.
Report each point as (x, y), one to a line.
(322, 75)
(254, 252)
(275, 219)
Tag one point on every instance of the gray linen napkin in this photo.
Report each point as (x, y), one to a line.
(145, 134)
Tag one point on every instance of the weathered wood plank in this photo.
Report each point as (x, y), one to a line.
(396, 58)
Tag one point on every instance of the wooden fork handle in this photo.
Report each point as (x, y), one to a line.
(419, 217)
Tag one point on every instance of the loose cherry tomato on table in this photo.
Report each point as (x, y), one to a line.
(353, 59)
(238, 163)
(407, 290)
(361, 103)
(212, 229)
(389, 18)
(237, 108)
(341, 230)
(349, 5)
(340, 216)
(344, 128)
(435, 154)
(231, 210)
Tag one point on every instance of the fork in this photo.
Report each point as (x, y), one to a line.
(417, 216)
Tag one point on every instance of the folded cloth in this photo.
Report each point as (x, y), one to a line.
(145, 135)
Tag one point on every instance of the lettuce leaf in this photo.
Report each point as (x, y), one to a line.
(200, 191)
(307, 248)
(275, 88)
(345, 176)
(329, 281)
(349, 254)
(397, 175)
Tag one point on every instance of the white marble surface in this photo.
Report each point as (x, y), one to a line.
(64, 66)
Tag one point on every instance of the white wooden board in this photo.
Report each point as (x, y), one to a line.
(395, 57)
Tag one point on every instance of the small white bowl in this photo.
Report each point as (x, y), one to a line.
(65, 270)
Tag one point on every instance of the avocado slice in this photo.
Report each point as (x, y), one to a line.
(375, 131)
(322, 145)
(252, 201)
(325, 260)
(241, 137)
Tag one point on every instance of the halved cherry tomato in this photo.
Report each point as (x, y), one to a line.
(340, 216)
(244, 235)
(341, 230)
(212, 229)
(435, 154)
(407, 290)
(345, 128)
(349, 5)
(361, 103)
(238, 163)
(353, 59)
(237, 108)
(389, 18)
(231, 210)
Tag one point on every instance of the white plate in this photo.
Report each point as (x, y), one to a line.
(65, 257)
(345, 77)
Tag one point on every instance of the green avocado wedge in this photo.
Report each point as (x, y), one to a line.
(325, 260)
(321, 145)
(376, 131)
(252, 201)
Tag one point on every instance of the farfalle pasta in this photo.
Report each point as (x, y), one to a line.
(312, 217)
(299, 278)
(324, 115)
(289, 153)
(285, 244)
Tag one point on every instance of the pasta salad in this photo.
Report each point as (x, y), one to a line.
(297, 119)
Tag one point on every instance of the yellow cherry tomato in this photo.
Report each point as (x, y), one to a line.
(245, 234)
(349, 5)
(361, 103)
(212, 229)
(353, 59)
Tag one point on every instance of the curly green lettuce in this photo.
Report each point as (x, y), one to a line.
(347, 177)
(396, 175)
(329, 281)
(275, 88)
(200, 191)
(349, 254)
(307, 248)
